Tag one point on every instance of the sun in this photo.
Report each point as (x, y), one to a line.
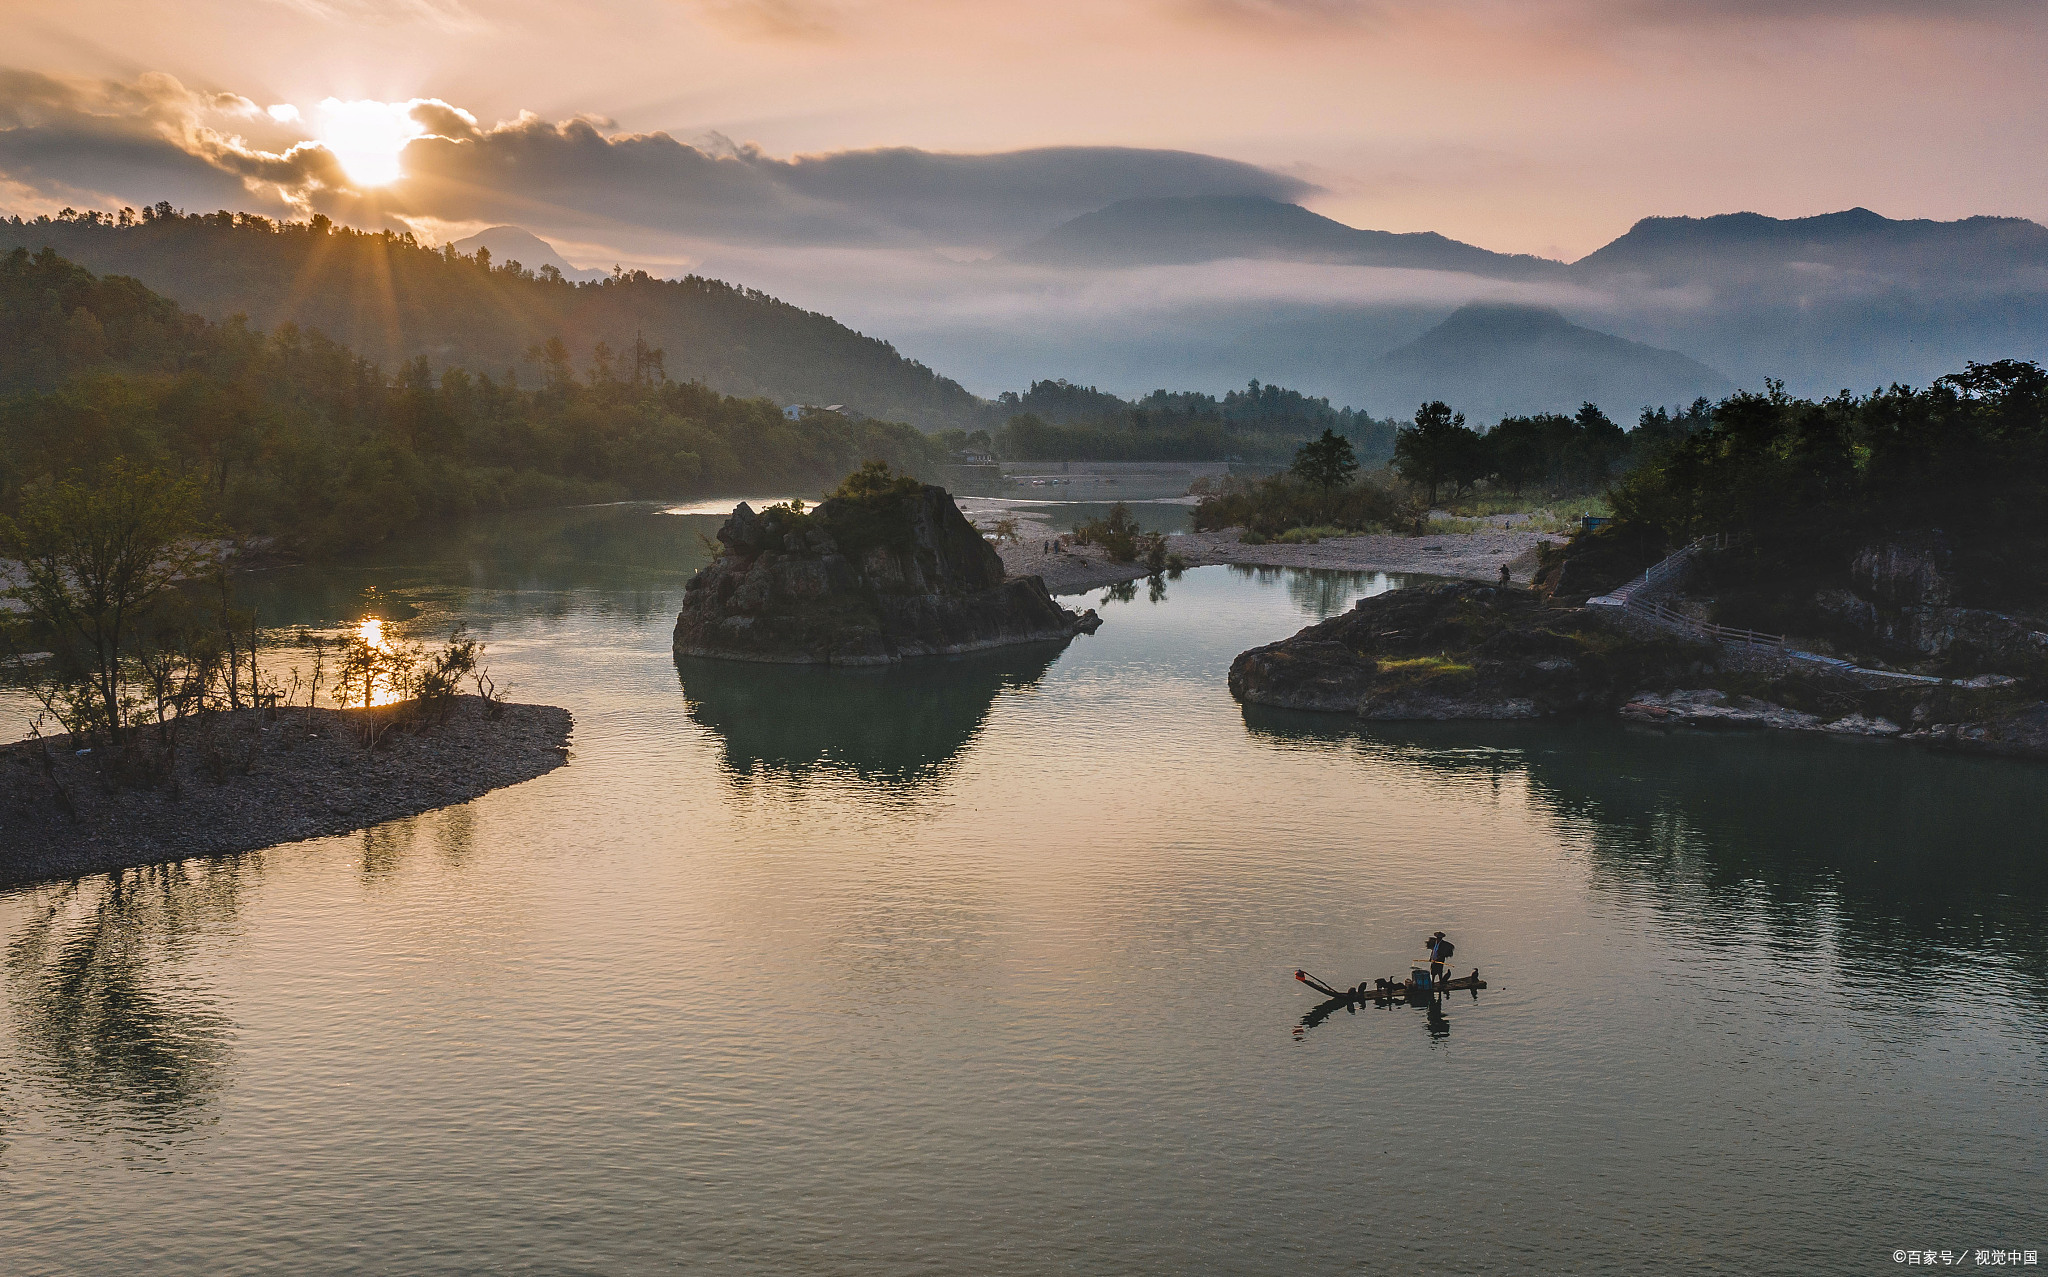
(367, 137)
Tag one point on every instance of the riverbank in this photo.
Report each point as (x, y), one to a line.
(1475, 556)
(1448, 650)
(251, 779)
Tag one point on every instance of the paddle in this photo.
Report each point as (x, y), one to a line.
(1316, 984)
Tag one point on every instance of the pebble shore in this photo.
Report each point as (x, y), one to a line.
(291, 774)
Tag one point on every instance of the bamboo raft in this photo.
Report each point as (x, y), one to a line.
(1385, 991)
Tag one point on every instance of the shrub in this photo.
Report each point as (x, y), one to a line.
(1269, 508)
(1117, 534)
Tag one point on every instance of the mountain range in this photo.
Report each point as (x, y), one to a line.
(392, 300)
(1194, 293)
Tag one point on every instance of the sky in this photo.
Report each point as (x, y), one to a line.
(670, 132)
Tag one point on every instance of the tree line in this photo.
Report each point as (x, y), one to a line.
(293, 435)
(388, 297)
(1550, 453)
(1060, 421)
(1963, 461)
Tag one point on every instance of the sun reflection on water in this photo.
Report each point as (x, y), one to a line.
(370, 630)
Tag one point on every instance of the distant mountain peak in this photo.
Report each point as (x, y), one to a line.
(1185, 230)
(1854, 237)
(1493, 358)
(515, 243)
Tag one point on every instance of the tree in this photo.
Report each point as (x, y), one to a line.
(1602, 441)
(1517, 453)
(96, 561)
(1328, 462)
(1434, 450)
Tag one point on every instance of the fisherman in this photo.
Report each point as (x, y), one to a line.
(1440, 951)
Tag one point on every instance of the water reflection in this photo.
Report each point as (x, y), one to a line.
(1324, 592)
(1895, 862)
(896, 727)
(629, 559)
(99, 1012)
(1362, 999)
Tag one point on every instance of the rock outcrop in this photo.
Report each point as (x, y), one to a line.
(862, 581)
(1908, 572)
(1711, 707)
(1458, 651)
(1903, 605)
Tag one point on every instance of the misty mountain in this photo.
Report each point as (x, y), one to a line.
(1844, 300)
(391, 300)
(1166, 232)
(511, 244)
(1491, 360)
(1855, 242)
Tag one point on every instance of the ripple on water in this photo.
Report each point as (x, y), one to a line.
(985, 967)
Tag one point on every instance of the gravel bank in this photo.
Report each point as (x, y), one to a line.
(307, 776)
(1474, 555)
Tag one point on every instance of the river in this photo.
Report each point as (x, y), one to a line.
(985, 966)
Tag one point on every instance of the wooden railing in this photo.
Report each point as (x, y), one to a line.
(1637, 598)
(1669, 616)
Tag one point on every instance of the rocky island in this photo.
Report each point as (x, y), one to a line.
(885, 568)
(1458, 650)
(1463, 651)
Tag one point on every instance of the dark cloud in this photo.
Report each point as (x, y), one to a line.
(154, 138)
(575, 174)
(111, 142)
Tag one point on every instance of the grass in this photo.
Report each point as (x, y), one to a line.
(1412, 671)
(1546, 514)
(1309, 536)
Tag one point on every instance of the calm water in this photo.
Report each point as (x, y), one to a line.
(984, 967)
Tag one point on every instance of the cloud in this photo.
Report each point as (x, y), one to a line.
(1297, 15)
(574, 174)
(153, 138)
(106, 142)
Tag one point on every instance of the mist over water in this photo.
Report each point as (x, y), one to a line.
(985, 966)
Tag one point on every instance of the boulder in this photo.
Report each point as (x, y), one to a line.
(862, 581)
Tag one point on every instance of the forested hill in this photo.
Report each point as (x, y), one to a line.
(391, 300)
(295, 436)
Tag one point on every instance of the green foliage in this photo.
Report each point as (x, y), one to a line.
(1815, 481)
(1327, 462)
(1550, 452)
(296, 437)
(869, 508)
(99, 561)
(874, 482)
(1440, 449)
(1268, 509)
(389, 298)
(1117, 533)
(1060, 422)
(1310, 536)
